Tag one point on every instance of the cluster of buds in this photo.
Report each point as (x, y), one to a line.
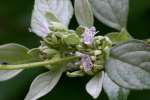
(92, 50)
(59, 41)
(61, 38)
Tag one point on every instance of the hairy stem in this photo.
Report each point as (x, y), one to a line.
(36, 64)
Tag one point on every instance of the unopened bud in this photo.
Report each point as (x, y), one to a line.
(71, 39)
(97, 52)
(56, 26)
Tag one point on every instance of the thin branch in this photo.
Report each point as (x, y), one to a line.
(36, 64)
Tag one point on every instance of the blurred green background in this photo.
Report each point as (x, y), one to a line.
(14, 23)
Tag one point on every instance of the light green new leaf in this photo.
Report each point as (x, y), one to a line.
(12, 54)
(113, 13)
(43, 84)
(113, 91)
(118, 37)
(129, 65)
(94, 86)
(35, 53)
(47, 11)
(83, 13)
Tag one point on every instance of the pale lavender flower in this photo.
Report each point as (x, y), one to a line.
(86, 62)
(88, 35)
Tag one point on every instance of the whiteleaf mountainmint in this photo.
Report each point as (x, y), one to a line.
(116, 62)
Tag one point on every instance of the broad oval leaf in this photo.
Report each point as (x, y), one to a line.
(43, 84)
(83, 13)
(113, 91)
(94, 86)
(113, 13)
(12, 54)
(129, 65)
(47, 11)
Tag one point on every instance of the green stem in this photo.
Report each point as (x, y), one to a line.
(36, 64)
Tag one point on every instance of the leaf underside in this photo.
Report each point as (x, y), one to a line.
(47, 11)
(94, 86)
(83, 13)
(129, 65)
(113, 91)
(43, 84)
(112, 13)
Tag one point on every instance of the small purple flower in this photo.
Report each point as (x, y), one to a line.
(86, 62)
(88, 35)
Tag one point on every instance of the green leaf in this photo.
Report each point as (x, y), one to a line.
(12, 54)
(113, 13)
(83, 13)
(94, 86)
(51, 17)
(43, 84)
(129, 65)
(148, 41)
(35, 53)
(47, 11)
(118, 37)
(113, 91)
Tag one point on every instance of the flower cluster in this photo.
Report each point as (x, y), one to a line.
(92, 50)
